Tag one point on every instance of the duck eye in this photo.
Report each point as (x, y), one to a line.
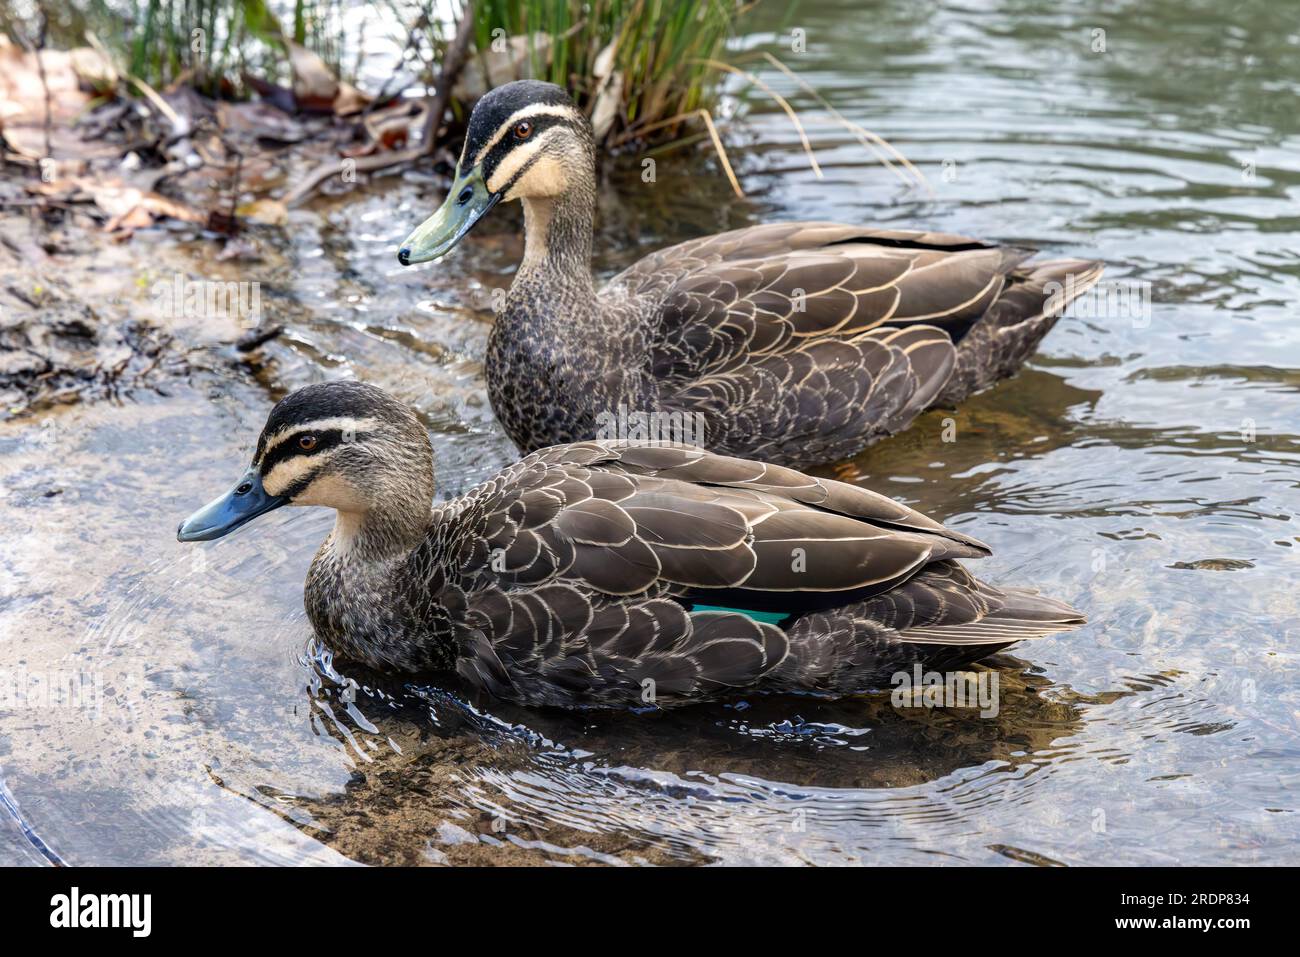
(307, 442)
(523, 130)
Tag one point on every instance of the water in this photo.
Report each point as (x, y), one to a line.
(1143, 468)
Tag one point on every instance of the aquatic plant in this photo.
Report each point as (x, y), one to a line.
(644, 63)
(648, 59)
(209, 44)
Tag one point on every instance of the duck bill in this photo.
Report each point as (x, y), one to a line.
(466, 203)
(223, 515)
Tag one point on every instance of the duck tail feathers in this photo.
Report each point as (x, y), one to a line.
(1000, 341)
(1020, 614)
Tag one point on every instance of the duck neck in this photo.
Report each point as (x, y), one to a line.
(355, 592)
(558, 356)
(557, 238)
(375, 536)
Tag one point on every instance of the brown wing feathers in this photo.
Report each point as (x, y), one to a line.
(782, 335)
(584, 568)
(602, 548)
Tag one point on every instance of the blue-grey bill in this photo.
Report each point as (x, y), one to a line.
(467, 203)
(223, 515)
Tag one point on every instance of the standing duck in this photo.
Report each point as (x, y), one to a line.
(611, 574)
(792, 343)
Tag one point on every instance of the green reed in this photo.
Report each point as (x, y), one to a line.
(660, 49)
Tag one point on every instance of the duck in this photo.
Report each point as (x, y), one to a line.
(615, 574)
(797, 343)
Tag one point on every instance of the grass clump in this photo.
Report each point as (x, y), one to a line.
(649, 57)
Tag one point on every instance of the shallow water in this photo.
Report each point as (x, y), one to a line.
(1144, 468)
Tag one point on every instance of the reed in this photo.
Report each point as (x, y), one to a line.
(207, 43)
(660, 55)
(661, 51)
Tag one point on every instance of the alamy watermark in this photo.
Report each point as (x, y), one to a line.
(651, 428)
(953, 689)
(1119, 300)
(74, 909)
(184, 298)
(21, 689)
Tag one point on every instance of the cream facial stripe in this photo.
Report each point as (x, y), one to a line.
(289, 472)
(517, 160)
(345, 424)
(527, 112)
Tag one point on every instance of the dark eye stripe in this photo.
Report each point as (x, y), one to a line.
(288, 448)
(540, 125)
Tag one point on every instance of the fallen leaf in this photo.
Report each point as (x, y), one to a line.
(137, 217)
(609, 93)
(162, 206)
(349, 100)
(390, 135)
(94, 71)
(22, 95)
(22, 105)
(277, 96)
(260, 119)
(492, 67)
(269, 212)
(117, 199)
(314, 84)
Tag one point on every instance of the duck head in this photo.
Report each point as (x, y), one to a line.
(526, 140)
(344, 445)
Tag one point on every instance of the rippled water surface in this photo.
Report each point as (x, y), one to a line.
(1144, 467)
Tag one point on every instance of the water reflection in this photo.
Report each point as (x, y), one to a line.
(751, 779)
(1144, 468)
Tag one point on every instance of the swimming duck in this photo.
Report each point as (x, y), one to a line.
(612, 574)
(793, 343)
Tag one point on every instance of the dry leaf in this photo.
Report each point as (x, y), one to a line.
(93, 69)
(609, 94)
(260, 119)
(137, 217)
(501, 66)
(269, 212)
(314, 84)
(22, 96)
(349, 100)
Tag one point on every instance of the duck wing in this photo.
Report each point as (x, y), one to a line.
(624, 518)
(586, 569)
(804, 342)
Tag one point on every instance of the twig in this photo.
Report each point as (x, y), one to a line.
(256, 337)
(452, 63)
(43, 202)
(35, 50)
(781, 101)
(713, 135)
(180, 125)
(860, 131)
(40, 68)
(234, 187)
(360, 164)
(383, 95)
